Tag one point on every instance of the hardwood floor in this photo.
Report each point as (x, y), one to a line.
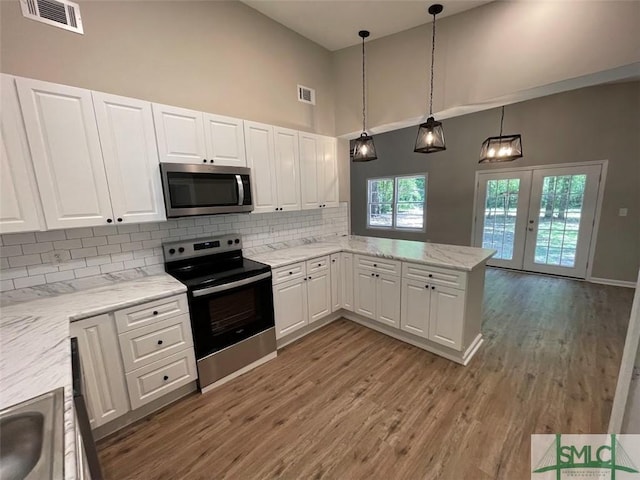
(346, 402)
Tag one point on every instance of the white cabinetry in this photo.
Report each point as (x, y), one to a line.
(337, 281)
(347, 280)
(67, 159)
(302, 299)
(125, 126)
(19, 202)
(377, 289)
(189, 136)
(102, 370)
(272, 155)
(446, 316)
(318, 171)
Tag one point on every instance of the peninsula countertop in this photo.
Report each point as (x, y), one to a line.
(434, 254)
(35, 355)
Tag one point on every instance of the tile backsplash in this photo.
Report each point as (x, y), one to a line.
(29, 259)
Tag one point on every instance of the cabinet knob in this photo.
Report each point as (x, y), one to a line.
(377, 275)
(430, 275)
(290, 273)
(373, 274)
(165, 378)
(159, 342)
(426, 286)
(210, 161)
(109, 220)
(319, 264)
(375, 264)
(155, 312)
(119, 219)
(333, 261)
(204, 160)
(433, 288)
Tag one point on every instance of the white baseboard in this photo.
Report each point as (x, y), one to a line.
(615, 283)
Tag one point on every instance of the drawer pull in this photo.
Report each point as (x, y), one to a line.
(375, 264)
(159, 342)
(373, 274)
(155, 312)
(433, 288)
(430, 275)
(290, 273)
(319, 264)
(377, 275)
(165, 378)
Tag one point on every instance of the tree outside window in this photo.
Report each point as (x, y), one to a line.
(397, 202)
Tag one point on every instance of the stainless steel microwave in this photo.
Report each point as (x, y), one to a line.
(191, 189)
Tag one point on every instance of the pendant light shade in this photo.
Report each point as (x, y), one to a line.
(430, 137)
(503, 148)
(363, 148)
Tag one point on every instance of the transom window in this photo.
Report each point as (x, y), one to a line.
(397, 202)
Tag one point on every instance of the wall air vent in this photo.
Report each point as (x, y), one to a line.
(306, 95)
(59, 13)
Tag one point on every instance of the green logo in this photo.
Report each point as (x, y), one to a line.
(586, 456)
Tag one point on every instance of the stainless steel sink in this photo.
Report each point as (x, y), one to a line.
(31, 438)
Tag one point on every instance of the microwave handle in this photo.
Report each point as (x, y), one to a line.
(240, 190)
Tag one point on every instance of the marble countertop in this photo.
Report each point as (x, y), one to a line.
(35, 355)
(433, 254)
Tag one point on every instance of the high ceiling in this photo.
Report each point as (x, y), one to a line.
(334, 24)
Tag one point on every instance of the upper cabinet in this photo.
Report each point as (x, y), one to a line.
(130, 156)
(272, 155)
(319, 171)
(189, 136)
(67, 159)
(19, 203)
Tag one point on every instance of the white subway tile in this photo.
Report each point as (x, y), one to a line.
(51, 236)
(79, 233)
(6, 285)
(131, 246)
(72, 265)
(147, 252)
(41, 269)
(122, 238)
(10, 273)
(59, 276)
(112, 267)
(68, 244)
(155, 260)
(102, 260)
(4, 263)
(84, 252)
(128, 228)
(121, 257)
(134, 263)
(106, 230)
(149, 227)
(94, 241)
(87, 272)
(25, 260)
(109, 249)
(29, 281)
(18, 238)
(10, 251)
(139, 236)
(31, 248)
(56, 256)
(151, 243)
(186, 222)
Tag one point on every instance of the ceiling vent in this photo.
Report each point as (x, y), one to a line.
(59, 13)
(306, 95)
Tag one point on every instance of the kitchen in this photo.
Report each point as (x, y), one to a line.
(67, 251)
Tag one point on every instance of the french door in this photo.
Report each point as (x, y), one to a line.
(539, 220)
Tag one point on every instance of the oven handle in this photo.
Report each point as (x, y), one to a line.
(229, 286)
(240, 190)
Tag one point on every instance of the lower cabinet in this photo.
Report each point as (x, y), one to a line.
(347, 281)
(336, 282)
(290, 306)
(377, 296)
(134, 356)
(319, 295)
(102, 369)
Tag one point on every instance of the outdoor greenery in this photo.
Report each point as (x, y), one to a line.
(409, 202)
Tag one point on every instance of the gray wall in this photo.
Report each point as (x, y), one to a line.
(595, 123)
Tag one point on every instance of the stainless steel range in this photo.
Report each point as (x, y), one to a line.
(230, 303)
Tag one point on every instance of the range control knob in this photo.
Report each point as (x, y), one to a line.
(237, 240)
(229, 242)
(181, 249)
(172, 251)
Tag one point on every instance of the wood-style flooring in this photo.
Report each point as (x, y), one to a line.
(346, 402)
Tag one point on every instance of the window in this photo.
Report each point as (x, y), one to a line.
(397, 202)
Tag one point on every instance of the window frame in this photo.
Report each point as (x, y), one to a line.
(394, 205)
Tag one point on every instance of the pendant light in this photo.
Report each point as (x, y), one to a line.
(504, 148)
(430, 134)
(363, 148)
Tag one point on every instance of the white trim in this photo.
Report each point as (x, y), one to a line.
(394, 204)
(596, 222)
(610, 281)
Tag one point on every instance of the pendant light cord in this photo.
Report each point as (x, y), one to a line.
(501, 121)
(364, 125)
(433, 55)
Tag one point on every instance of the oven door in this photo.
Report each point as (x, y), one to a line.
(205, 189)
(224, 315)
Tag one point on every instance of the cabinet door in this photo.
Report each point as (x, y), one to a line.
(287, 156)
(330, 191)
(180, 134)
(102, 370)
(336, 282)
(365, 293)
(225, 140)
(388, 300)
(446, 316)
(310, 154)
(19, 203)
(290, 306)
(319, 295)
(63, 137)
(259, 139)
(130, 156)
(414, 310)
(347, 281)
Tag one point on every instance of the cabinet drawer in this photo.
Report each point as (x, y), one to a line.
(435, 275)
(290, 272)
(159, 378)
(141, 315)
(155, 341)
(317, 264)
(380, 265)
